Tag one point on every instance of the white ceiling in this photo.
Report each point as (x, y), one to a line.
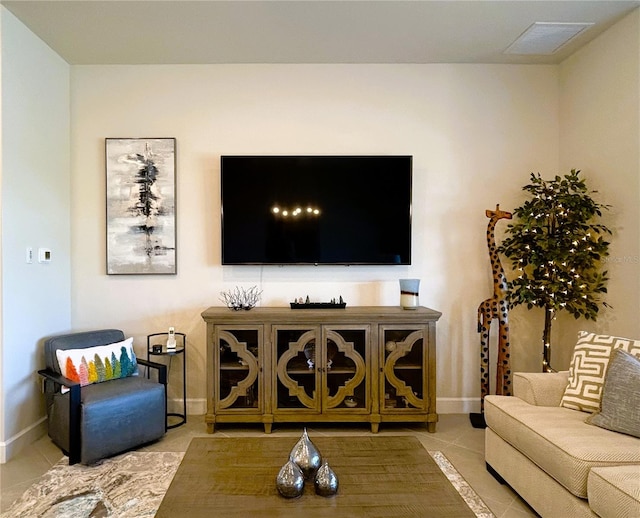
(308, 31)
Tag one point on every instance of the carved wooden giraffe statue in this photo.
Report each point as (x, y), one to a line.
(495, 307)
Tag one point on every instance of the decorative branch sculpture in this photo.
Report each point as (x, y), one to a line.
(239, 298)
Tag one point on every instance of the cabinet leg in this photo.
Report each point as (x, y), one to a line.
(375, 427)
(431, 427)
(210, 428)
(267, 427)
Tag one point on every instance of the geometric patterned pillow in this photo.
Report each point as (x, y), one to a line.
(589, 366)
(99, 363)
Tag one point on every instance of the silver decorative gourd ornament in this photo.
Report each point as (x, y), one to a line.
(290, 480)
(306, 456)
(326, 481)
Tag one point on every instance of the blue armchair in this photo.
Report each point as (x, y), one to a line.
(98, 420)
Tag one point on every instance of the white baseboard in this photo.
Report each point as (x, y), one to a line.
(458, 405)
(9, 448)
(194, 406)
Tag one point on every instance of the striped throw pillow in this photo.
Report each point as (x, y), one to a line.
(588, 368)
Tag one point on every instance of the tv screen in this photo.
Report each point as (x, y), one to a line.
(316, 209)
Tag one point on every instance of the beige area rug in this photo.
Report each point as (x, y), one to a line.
(128, 485)
(132, 485)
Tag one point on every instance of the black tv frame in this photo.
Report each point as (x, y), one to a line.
(369, 180)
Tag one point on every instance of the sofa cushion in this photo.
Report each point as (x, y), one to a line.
(588, 368)
(620, 408)
(558, 440)
(615, 492)
(120, 415)
(542, 492)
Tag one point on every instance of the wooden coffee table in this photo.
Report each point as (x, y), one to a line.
(379, 476)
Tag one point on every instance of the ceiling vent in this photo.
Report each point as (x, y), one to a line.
(546, 37)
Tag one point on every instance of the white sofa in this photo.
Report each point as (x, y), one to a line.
(562, 466)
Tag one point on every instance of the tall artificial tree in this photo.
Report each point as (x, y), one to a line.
(556, 247)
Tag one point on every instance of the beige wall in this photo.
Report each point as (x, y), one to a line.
(600, 134)
(475, 133)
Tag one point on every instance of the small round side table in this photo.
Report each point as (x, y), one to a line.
(157, 346)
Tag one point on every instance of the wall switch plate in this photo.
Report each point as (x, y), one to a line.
(44, 255)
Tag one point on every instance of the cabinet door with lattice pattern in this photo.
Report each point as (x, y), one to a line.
(239, 354)
(403, 359)
(298, 368)
(344, 370)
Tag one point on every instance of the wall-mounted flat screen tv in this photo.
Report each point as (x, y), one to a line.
(351, 210)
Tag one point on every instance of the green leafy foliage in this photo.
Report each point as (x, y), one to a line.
(556, 247)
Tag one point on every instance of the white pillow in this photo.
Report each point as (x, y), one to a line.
(99, 363)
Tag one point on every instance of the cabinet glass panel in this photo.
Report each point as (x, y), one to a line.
(239, 359)
(404, 372)
(345, 369)
(297, 367)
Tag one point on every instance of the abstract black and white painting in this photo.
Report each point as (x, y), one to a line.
(141, 205)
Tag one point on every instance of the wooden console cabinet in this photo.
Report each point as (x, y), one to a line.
(358, 364)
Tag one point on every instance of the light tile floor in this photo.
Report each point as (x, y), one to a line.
(462, 444)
